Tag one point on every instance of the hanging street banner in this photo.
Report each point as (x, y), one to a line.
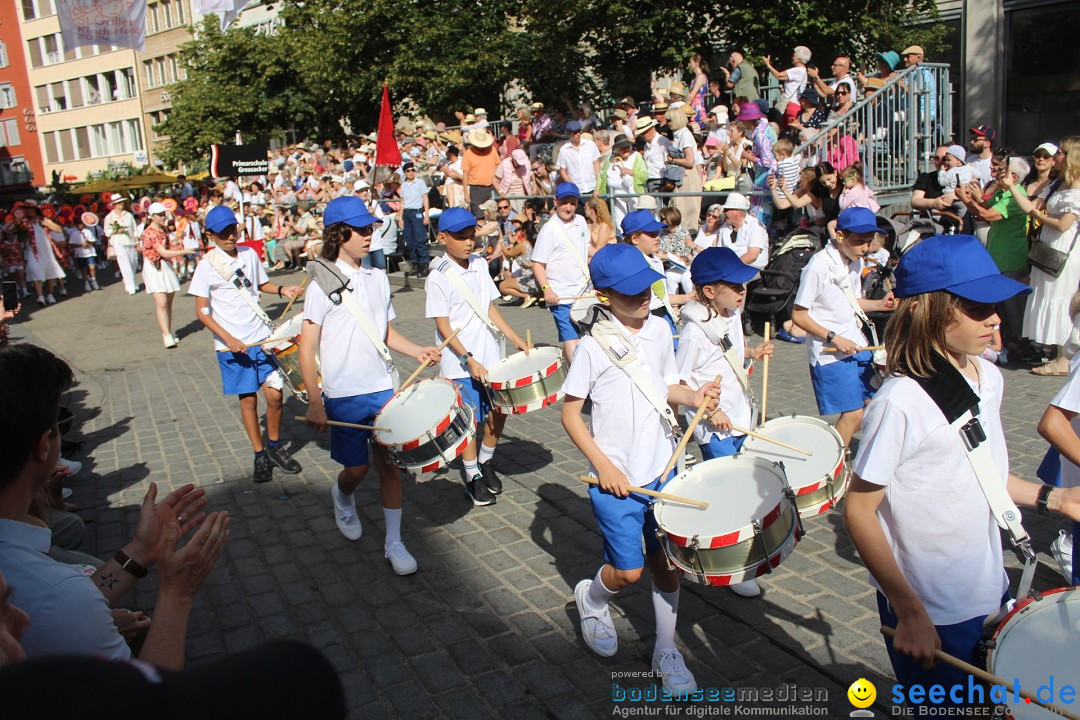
(102, 22)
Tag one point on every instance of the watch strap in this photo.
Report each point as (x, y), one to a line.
(1044, 497)
(129, 565)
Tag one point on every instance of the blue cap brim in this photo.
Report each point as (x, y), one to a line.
(636, 283)
(860, 229)
(363, 221)
(219, 227)
(992, 289)
(454, 227)
(743, 274)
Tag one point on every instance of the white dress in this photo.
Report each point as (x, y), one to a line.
(1046, 320)
(161, 280)
(41, 265)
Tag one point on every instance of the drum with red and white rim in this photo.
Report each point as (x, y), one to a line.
(428, 425)
(749, 528)
(1036, 645)
(819, 480)
(523, 383)
(284, 347)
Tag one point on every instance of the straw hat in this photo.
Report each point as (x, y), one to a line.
(677, 88)
(643, 124)
(480, 138)
(451, 136)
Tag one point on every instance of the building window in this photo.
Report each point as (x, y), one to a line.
(148, 69)
(180, 20)
(174, 68)
(127, 82)
(93, 90)
(14, 171)
(11, 130)
(33, 50)
(7, 96)
(49, 139)
(29, 12)
(3, 55)
(59, 96)
(52, 49)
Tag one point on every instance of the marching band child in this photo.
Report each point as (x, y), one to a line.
(916, 508)
(628, 444)
(642, 230)
(354, 390)
(712, 330)
(829, 306)
(226, 286)
(461, 296)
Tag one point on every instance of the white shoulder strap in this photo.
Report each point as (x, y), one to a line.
(572, 249)
(620, 350)
(1002, 507)
(450, 271)
(348, 300)
(716, 330)
(216, 259)
(843, 282)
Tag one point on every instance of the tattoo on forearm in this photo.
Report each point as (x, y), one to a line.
(109, 581)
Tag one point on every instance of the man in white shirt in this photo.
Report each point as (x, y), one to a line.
(560, 262)
(841, 69)
(232, 192)
(655, 153)
(579, 160)
(982, 153)
(743, 232)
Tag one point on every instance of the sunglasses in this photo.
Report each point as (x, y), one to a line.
(1042, 156)
(241, 281)
(842, 92)
(504, 207)
(366, 231)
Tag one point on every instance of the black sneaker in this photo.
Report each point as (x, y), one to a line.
(280, 457)
(477, 491)
(494, 484)
(264, 469)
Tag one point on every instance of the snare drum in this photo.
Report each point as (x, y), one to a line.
(522, 383)
(1035, 642)
(749, 528)
(429, 424)
(284, 347)
(819, 480)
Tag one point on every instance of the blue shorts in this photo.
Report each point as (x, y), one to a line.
(475, 395)
(349, 446)
(245, 373)
(844, 385)
(717, 448)
(623, 523)
(85, 263)
(561, 313)
(958, 640)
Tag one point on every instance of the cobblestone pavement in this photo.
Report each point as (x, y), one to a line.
(487, 627)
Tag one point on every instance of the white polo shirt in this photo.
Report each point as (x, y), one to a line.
(1068, 399)
(227, 307)
(828, 304)
(578, 163)
(444, 300)
(564, 270)
(752, 234)
(656, 157)
(625, 425)
(350, 363)
(700, 361)
(795, 83)
(934, 513)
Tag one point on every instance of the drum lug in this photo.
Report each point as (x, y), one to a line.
(761, 538)
(700, 570)
(664, 546)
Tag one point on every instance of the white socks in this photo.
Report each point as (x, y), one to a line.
(472, 468)
(485, 454)
(599, 596)
(666, 607)
(393, 525)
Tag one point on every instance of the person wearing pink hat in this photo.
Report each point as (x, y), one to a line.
(514, 177)
(759, 132)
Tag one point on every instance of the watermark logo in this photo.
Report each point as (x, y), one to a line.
(862, 694)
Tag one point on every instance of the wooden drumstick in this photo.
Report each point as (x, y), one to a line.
(260, 343)
(528, 340)
(872, 348)
(303, 284)
(681, 447)
(652, 493)
(766, 438)
(765, 376)
(990, 678)
(578, 297)
(338, 423)
(424, 366)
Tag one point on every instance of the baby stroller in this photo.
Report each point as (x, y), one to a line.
(773, 295)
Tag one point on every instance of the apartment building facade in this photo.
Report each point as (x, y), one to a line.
(20, 155)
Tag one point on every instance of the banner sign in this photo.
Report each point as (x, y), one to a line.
(236, 160)
(93, 22)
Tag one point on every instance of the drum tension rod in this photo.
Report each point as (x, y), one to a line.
(761, 538)
(700, 568)
(667, 551)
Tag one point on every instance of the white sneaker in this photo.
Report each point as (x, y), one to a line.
(63, 291)
(41, 300)
(400, 559)
(170, 341)
(50, 300)
(596, 627)
(1062, 550)
(345, 516)
(73, 465)
(86, 286)
(748, 588)
(672, 667)
(94, 285)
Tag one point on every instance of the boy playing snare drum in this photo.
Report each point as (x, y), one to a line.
(628, 445)
(461, 295)
(226, 286)
(353, 389)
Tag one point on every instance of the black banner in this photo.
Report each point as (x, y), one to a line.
(236, 160)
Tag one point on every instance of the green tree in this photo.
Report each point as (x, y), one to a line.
(236, 80)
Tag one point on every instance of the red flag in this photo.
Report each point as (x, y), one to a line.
(386, 148)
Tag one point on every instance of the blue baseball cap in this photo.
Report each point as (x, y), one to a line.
(219, 218)
(958, 264)
(456, 219)
(350, 210)
(716, 264)
(622, 268)
(348, 165)
(567, 189)
(573, 126)
(641, 221)
(857, 220)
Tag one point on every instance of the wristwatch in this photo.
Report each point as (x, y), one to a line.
(1044, 497)
(831, 336)
(464, 359)
(129, 565)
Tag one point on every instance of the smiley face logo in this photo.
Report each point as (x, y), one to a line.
(862, 693)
